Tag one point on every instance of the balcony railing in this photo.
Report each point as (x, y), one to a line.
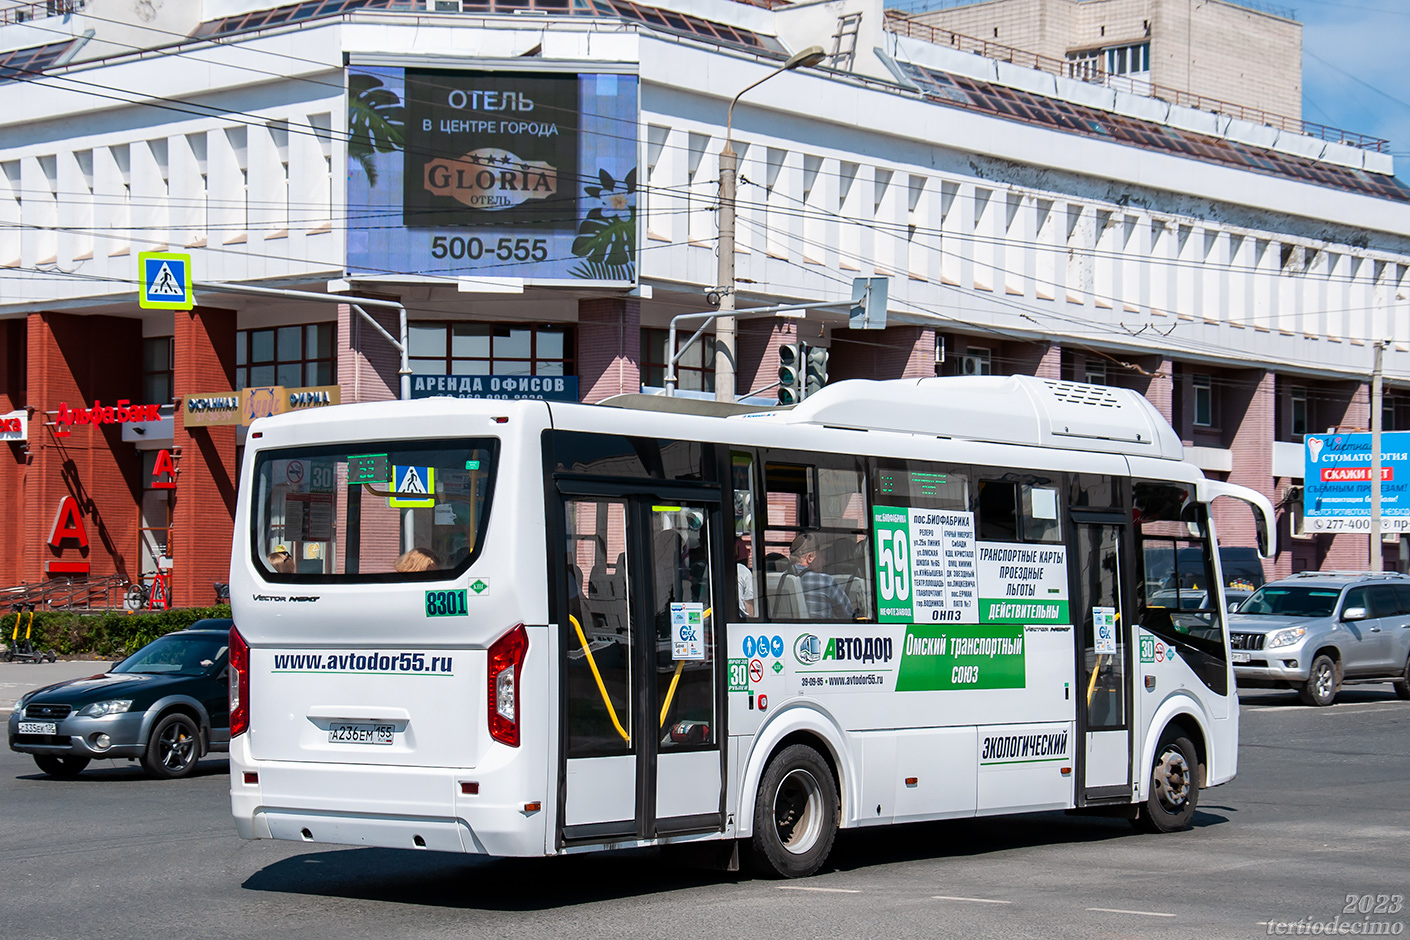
(24, 12)
(1090, 70)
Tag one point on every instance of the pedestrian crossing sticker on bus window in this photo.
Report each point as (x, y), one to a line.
(165, 281)
(413, 480)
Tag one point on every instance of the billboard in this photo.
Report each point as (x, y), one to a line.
(497, 174)
(1336, 481)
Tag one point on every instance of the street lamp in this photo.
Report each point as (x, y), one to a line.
(729, 160)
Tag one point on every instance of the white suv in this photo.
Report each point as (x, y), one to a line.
(1317, 630)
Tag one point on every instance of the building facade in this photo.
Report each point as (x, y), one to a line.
(536, 184)
(1247, 55)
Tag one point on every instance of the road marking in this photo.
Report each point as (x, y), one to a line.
(1117, 910)
(947, 897)
(824, 890)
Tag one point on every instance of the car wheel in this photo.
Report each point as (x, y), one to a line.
(1174, 786)
(1321, 685)
(795, 814)
(56, 765)
(174, 747)
(1402, 685)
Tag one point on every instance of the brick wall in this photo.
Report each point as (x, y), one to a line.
(609, 347)
(13, 460)
(203, 504)
(79, 360)
(897, 352)
(367, 364)
(1019, 358)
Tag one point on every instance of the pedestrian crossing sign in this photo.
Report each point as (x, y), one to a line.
(166, 281)
(413, 480)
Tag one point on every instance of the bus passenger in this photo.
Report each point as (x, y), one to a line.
(825, 598)
(282, 562)
(418, 559)
(742, 553)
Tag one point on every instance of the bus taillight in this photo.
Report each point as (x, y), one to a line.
(505, 660)
(239, 669)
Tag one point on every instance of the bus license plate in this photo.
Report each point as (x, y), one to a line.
(360, 733)
(38, 727)
(1241, 657)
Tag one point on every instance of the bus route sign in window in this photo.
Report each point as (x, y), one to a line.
(322, 514)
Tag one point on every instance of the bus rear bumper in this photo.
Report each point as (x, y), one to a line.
(386, 807)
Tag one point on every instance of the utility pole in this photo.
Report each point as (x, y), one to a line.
(724, 326)
(729, 167)
(1377, 399)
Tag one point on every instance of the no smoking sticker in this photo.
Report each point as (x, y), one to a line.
(756, 670)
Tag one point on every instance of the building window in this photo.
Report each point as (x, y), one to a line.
(1129, 60)
(1094, 372)
(694, 371)
(1204, 401)
(291, 356)
(158, 365)
(1298, 415)
(439, 348)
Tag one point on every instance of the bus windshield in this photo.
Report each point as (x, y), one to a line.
(386, 511)
(1277, 600)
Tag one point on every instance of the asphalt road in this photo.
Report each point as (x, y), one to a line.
(1320, 811)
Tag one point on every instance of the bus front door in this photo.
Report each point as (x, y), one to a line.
(1103, 705)
(641, 695)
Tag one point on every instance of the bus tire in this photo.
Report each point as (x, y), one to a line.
(1320, 689)
(795, 814)
(1174, 787)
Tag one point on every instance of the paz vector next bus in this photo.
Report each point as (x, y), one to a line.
(522, 628)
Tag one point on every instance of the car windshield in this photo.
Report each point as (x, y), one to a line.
(176, 655)
(1283, 600)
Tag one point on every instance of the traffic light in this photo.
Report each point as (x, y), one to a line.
(790, 374)
(815, 376)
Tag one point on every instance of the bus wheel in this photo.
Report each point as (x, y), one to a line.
(1174, 788)
(795, 814)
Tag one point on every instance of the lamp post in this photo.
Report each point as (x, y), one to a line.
(729, 164)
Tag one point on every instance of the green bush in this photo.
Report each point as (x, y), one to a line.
(103, 635)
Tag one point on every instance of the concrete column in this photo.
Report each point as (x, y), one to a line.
(80, 360)
(203, 503)
(609, 347)
(1247, 407)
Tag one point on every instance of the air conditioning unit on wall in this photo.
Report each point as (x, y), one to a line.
(974, 364)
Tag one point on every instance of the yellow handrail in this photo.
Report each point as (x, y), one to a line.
(671, 692)
(1092, 685)
(601, 687)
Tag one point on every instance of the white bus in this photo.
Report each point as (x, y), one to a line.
(521, 628)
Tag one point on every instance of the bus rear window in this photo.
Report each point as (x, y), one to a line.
(390, 511)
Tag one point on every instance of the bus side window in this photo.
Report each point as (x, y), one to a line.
(743, 548)
(817, 559)
(997, 505)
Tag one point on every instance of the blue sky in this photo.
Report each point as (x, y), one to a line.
(1355, 67)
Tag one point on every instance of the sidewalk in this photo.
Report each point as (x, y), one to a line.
(18, 678)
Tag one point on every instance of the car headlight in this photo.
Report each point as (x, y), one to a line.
(1280, 638)
(114, 706)
(24, 700)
